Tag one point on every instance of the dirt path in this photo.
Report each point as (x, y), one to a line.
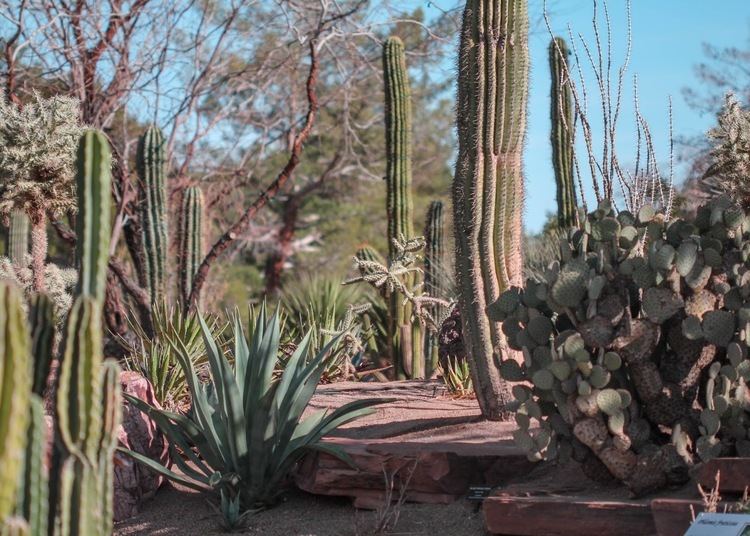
(182, 512)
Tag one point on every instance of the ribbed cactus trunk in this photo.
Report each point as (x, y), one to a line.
(152, 170)
(562, 134)
(191, 239)
(488, 184)
(88, 389)
(15, 390)
(434, 277)
(404, 331)
(17, 243)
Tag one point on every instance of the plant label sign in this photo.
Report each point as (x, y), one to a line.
(720, 525)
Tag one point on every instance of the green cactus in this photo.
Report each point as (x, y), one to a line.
(15, 390)
(88, 389)
(191, 239)
(151, 165)
(562, 133)
(17, 243)
(93, 180)
(34, 492)
(406, 352)
(488, 185)
(434, 277)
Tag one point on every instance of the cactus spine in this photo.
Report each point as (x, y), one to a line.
(15, 390)
(191, 239)
(562, 133)
(434, 276)
(151, 165)
(488, 183)
(17, 245)
(404, 332)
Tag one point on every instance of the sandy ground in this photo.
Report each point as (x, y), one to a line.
(184, 512)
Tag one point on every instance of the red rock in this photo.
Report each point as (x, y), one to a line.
(133, 482)
(734, 474)
(439, 446)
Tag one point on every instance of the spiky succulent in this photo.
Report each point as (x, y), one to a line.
(59, 283)
(730, 169)
(635, 344)
(37, 154)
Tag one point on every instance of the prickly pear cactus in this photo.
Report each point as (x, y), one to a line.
(635, 345)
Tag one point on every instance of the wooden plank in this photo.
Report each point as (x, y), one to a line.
(566, 516)
(735, 474)
(672, 517)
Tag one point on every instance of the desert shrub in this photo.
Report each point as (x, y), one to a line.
(244, 430)
(635, 345)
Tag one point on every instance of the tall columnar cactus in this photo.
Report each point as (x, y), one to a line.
(488, 185)
(191, 239)
(562, 133)
(17, 244)
(404, 331)
(434, 276)
(88, 389)
(151, 165)
(15, 390)
(93, 183)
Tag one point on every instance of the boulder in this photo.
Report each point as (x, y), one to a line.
(133, 482)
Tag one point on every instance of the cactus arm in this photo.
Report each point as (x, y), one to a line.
(93, 227)
(191, 239)
(151, 166)
(434, 278)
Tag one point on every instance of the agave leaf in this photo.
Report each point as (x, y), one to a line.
(159, 468)
(229, 398)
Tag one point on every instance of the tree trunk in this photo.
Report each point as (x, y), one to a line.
(276, 261)
(38, 250)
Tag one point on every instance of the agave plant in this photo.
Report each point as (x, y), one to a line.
(244, 431)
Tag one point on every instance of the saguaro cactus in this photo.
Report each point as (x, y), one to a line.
(434, 276)
(17, 243)
(191, 239)
(404, 332)
(488, 184)
(562, 135)
(151, 165)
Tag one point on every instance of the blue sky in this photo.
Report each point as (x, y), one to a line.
(667, 43)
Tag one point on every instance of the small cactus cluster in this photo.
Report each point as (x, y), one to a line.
(635, 345)
(76, 496)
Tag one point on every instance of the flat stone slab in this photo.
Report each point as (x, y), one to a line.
(425, 443)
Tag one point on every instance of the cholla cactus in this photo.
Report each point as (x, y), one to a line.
(37, 151)
(731, 167)
(59, 283)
